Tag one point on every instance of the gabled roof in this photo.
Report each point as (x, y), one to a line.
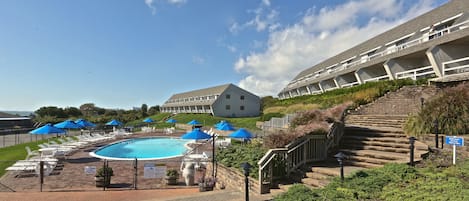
(6, 115)
(201, 92)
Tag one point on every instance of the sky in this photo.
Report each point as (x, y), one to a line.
(120, 54)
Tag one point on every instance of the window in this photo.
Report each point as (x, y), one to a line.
(241, 107)
(228, 96)
(227, 107)
(242, 97)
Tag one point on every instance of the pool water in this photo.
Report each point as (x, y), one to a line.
(142, 149)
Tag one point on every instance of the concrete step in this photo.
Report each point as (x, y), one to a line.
(315, 183)
(375, 154)
(369, 134)
(362, 164)
(400, 126)
(317, 175)
(376, 148)
(374, 161)
(397, 143)
(380, 129)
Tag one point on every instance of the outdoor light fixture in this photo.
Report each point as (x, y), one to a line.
(435, 126)
(422, 101)
(340, 158)
(411, 141)
(246, 168)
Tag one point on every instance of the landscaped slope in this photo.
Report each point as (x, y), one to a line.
(374, 136)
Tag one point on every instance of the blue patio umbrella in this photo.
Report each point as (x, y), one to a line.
(194, 122)
(114, 123)
(225, 127)
(241, 133)
(219, 123)
(171, 121)
(67, 124)
(196, 134)
(148, 120)
(84, 123)
(47, 129)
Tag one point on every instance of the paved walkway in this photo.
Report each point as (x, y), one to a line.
(133, 195)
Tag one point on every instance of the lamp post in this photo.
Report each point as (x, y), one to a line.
(340, 158)
(246, 167)
(213, 157)
(411, 141)
(422, 101)
(435, 125)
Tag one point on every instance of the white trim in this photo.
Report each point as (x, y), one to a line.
(332, 66)
(425, 29)
(447, 19)
(399, 39)
(14, 118)
(374, 49)
(351, 58)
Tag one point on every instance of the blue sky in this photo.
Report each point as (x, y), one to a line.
(121, 54)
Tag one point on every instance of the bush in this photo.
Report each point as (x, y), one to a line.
(268, 116)
(296, 192)
(100, 172)
(238, 153)
(393, 182)
(451, 109)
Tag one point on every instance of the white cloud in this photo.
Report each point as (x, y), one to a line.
(264, 19)
(150, 4)
(266, 2)
(198, 60)
(232, 48)
(318, 35)
(178, 2)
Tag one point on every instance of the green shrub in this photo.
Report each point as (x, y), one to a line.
(238, 153)
(451, 109)
(297, 192)
(268, 116)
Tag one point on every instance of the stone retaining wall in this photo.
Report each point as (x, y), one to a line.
(232, 179)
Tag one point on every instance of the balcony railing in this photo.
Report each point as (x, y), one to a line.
(456, 66)
(415, 73)
(384, 77)
(350, 84)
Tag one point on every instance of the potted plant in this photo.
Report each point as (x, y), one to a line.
(207, 184)
(103, 176)
(172, 176)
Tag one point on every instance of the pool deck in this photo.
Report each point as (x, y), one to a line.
(69, 182)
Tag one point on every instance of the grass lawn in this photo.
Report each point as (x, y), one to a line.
(9, 155)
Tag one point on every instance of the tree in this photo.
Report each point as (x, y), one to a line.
(72, 112)
(154, 110)
(52, 111)
(144, 110)
(88, 109)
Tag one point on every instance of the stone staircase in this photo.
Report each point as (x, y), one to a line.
(374, 136)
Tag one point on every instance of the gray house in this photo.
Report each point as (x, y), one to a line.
(435, 44)
(223, 101)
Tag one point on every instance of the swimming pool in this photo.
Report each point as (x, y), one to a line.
(142, 149)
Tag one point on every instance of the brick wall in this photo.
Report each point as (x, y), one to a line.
(233, 179)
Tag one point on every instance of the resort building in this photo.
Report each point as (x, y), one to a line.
(9, 121)
(435, 44)
(223, 101)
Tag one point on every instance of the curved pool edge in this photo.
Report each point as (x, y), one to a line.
(93, 154)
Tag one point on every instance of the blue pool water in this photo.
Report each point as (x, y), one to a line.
(142, 149)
